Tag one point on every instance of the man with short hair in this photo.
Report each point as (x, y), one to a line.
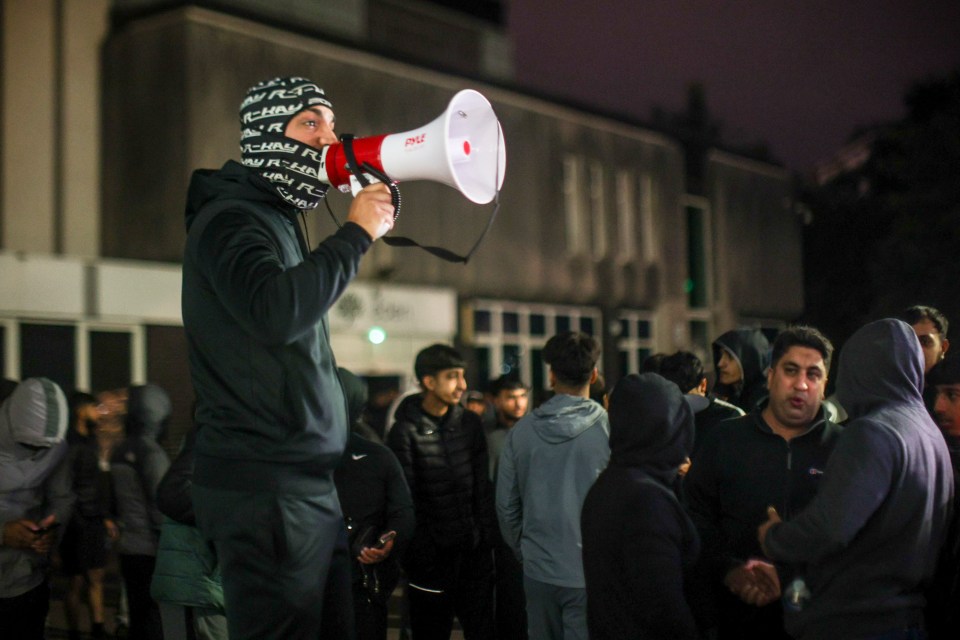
(775, 455)
(740, 360)
(685, 370)
(942, 616)
(931, 328)
(269, 408)
(510, 401)
(550, 460)
(443, 453)
(870, 539)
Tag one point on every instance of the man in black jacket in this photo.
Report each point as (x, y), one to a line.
(871, 537)
(443, 452)
(270, 411)
(775, 455)
(740, 359)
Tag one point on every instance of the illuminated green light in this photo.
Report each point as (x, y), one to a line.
(688, 285)
(376, 335)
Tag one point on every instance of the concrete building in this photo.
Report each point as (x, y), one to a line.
(108, 106)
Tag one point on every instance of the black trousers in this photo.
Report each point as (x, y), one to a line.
(137, 572)
(23, 617)
(467, 595)
(284, 561)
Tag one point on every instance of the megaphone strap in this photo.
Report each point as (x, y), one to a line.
(346, 140)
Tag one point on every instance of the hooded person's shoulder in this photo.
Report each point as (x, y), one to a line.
(232, 182)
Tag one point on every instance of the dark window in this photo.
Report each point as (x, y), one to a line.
(481, 321)
(538, 324)
(538, 383)
(511, 322)
(696, 285)
(482, 356)
(624, 328)
(586, 325)
(168, 366)
(643, 329)
(511, 360)
(110, 359)
(642, 355)
(563, 324)
(49, 350)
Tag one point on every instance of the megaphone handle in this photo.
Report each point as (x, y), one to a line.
(362, 179)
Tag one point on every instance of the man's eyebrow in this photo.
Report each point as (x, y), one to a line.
(320, 113)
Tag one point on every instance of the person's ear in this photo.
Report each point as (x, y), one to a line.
(702, 387)
(594, 375)
(944, 345)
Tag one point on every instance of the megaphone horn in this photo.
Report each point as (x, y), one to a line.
(463, 148)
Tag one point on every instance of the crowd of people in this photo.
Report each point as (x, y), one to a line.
(659, 508)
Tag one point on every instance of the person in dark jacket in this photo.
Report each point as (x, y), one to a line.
(83, 551)
(270, 411)
(871, 537)
(376, 505)
(740, 359)
(186, 581)
(686, 371)
(942, 615)
(137, 465)
(443, 452)
(775, 455)
(638, 543)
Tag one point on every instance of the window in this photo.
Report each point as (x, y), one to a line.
(626, 216)
(635, 342)
(513, 342)
(698, 256)
(49, 351)
(110, 362)
(573, 204)
(598, 213)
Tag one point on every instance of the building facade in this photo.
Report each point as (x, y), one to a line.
(108, 107)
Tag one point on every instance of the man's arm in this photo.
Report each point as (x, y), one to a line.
(508, 498)
(856, 481)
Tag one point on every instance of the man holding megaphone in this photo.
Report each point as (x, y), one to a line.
(269, 407)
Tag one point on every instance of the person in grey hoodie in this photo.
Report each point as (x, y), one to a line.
(550, 459)
(137, 465)
(867, 544)
(35, 498)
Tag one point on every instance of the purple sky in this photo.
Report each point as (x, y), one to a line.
(800, 75)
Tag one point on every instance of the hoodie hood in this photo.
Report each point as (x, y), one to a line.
(355, 391)
(752, 350)
(148, 409)
(564, 417)
(33, 423)
(232, 182)
(881, 364)
(651, 425)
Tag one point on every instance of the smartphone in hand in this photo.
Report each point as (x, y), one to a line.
(384, 539)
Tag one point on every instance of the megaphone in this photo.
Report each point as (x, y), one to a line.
(463, 148)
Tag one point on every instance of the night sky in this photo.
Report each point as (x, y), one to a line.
(797, 75)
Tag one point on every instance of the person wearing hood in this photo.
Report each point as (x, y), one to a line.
(638, 542)
(378, 510)
(550, 459)
(443, 453)
(740, 359)
(35, 499)
(775, 455)
(270, 411)
(137, 465)
(871, 537)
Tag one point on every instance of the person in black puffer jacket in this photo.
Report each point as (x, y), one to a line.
(443, 452)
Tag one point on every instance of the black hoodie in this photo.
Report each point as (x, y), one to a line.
(637, 540)
(872, 534)
(270, 410)
(752, 350)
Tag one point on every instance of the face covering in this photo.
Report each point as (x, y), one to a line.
(287, 164)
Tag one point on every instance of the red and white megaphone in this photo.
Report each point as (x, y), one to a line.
(463, 148)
